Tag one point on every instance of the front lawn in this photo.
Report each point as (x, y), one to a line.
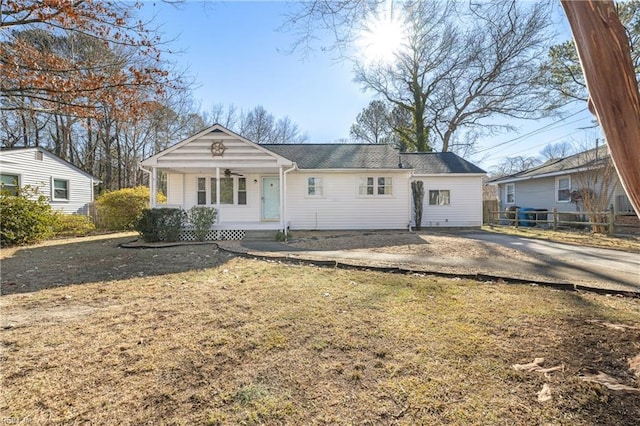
(243, 341)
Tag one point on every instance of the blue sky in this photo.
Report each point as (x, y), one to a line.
(235, 52)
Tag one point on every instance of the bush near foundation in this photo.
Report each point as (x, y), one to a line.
(202, 218)
(25, 218)
(73, 225)
(118, 210)
(162, 224)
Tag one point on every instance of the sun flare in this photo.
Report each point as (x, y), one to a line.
(381, 38)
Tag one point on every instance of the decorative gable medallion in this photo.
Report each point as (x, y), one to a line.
(217, 148)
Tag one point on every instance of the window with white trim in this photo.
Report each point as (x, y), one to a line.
(226, 190)
(314, 187)
(202, 191)
(9, 184)
(510, 193)
(232, 190)
(242, 191)
(375, 186)
(439, 197)
(563, 189)
(60, 189)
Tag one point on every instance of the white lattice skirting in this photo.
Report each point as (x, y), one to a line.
(214, 235)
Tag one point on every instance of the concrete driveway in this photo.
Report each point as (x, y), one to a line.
(572, 263)
(549, 261)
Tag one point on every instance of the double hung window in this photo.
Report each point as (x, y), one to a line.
(375, 186)
(60, 189)
(314, 187)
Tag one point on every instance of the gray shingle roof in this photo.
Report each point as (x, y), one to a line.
(438, 162)
(559, 165)
(367, 156)
(338, 156)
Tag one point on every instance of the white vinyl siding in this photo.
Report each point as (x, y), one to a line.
(197, 154)
(465, 201)
(41, 174)
(342, 206)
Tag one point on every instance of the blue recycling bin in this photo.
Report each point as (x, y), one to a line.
(526, 217)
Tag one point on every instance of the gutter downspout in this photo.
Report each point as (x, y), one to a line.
(411, 176)
(284, 198)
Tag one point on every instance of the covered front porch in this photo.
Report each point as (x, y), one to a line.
(243, 181)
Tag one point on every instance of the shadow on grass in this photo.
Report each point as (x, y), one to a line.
(54, 265)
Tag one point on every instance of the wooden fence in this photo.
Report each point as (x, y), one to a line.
(554, 219)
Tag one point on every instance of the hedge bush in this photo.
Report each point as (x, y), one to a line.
(162, 224)
(118, 210)
(73, 225)
(201, 218)
(25, 218)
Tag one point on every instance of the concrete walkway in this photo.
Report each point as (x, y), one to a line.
(552, 263)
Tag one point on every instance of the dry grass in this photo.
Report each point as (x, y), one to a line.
(240, 341)
(629, 244)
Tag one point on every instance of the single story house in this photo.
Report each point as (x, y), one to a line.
(66, 187)
(314, 186)
(558, 183)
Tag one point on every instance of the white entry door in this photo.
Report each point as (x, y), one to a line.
(270, 198)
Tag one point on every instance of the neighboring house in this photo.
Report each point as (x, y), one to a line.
(66, 187)
(315, 186)
(557, 183)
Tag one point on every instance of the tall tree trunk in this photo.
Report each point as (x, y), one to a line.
(605, 56)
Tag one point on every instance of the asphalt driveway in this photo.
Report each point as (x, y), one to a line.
(550, 262)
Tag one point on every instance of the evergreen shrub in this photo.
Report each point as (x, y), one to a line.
(118, 210)
(163, 224)
(25, 218)
(73, 225)
(201, 218)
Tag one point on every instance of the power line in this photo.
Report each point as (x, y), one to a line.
(531, 147)
(536, 131)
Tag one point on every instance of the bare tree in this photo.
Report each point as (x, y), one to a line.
(286, 131)
(373, 124)
(257, 125)
(512, 165)
(457, 69)
(557, 150)
(594, 184)
(493, 77)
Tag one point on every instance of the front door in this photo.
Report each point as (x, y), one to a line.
(270, 198)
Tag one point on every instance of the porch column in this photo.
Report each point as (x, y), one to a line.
(218, 193)
(152, 188)
(281, 198)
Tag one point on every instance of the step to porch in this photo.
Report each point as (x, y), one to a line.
(260, 235)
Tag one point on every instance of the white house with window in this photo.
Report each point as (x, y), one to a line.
(315, 186)
(555, 184)
(66, 187)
